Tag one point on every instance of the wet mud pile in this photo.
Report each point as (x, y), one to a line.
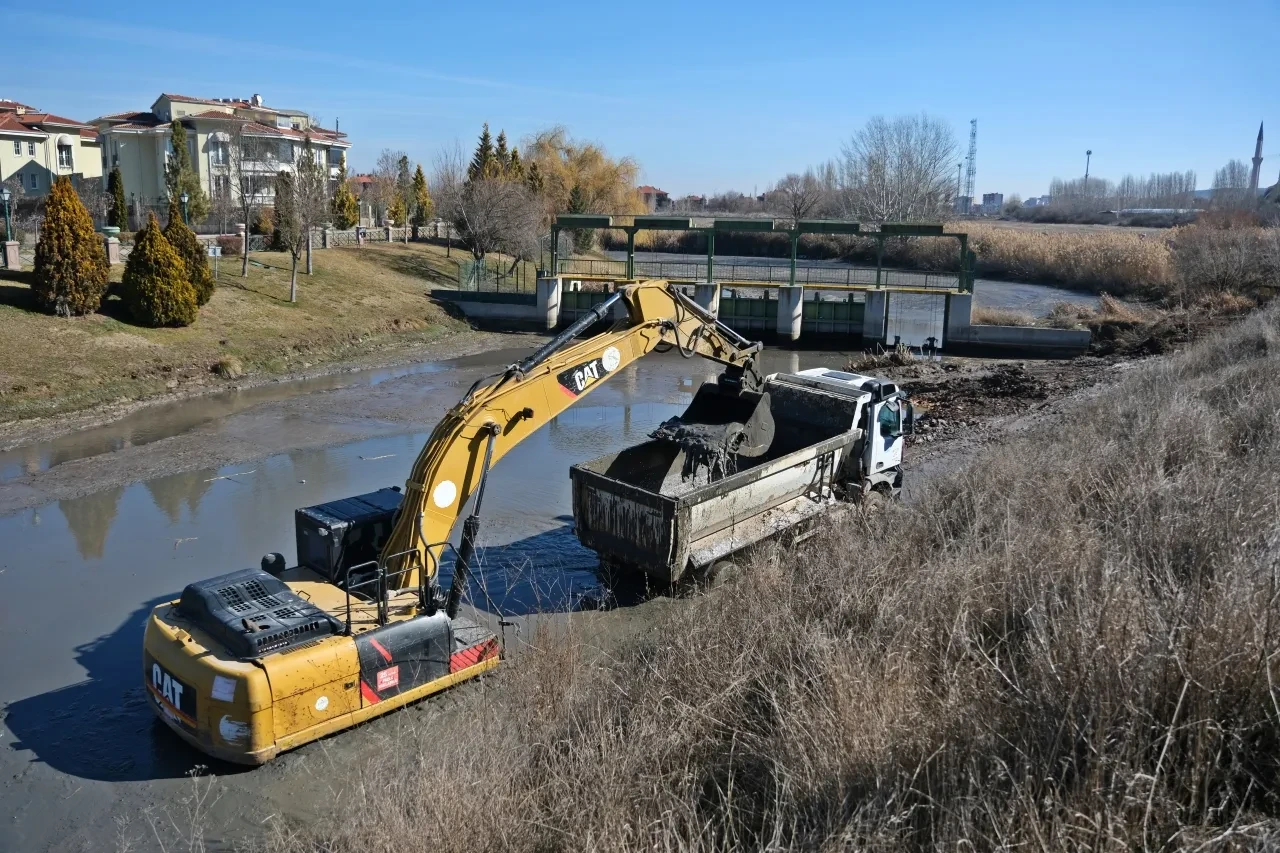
(706, 448)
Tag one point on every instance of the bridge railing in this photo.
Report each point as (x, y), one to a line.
(762, 272)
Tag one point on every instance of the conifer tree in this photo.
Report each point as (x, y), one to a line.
(155, 285)
(179, 177)
(396, 212)
(423, 207)
(71, 266)
(344, 207)
(118, 212)
(584, 239)
(482, 163)
(533, 179)
(192, 252)
(515, 168)
(501, 154)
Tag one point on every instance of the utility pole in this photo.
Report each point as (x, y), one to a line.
(959, 166)
(1088, 154)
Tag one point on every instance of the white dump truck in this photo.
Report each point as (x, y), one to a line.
(656, 509)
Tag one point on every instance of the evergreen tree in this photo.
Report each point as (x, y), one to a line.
(422, 204)
(396, 212)
(515, 168)
(584, 239)
(344, 207)
(118, 212)
(179, 177)
(501, 154)
(533, 179)
(71, 266)
(155, 284)
(192, 252)
(482, 164)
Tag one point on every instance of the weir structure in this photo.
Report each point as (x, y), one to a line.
(710, 227)
(850, 306)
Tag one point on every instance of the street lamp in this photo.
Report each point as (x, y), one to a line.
(5, 195)
(1087, 155)
(184, 198)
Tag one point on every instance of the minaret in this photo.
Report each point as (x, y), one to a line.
(1257, 163)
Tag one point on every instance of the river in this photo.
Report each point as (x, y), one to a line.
(113, 520)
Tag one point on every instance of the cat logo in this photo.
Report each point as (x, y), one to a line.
(577, 379)
(176, 699)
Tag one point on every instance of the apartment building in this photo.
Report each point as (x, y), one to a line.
(38, 147)
(140, 143)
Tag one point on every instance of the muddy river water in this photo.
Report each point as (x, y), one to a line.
(78, 575)
(100, 525)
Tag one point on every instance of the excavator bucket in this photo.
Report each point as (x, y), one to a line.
(723, 421)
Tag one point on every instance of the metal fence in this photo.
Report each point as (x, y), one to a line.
(495, 276)
(763, 272)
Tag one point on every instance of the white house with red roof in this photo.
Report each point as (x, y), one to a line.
(140, 143)
(37, 147)
(654, 199)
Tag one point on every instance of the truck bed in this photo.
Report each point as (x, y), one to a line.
(646, 509)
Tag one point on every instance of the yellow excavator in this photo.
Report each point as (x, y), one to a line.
(247, 665)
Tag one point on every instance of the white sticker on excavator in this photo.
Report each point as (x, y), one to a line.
(611, 358)
(224, 689)
(233, 731)
(444, 494)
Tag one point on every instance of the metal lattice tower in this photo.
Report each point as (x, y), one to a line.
(971, 169)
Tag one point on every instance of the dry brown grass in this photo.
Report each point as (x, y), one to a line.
(358, 299)
(1071, 644)
(982, 316)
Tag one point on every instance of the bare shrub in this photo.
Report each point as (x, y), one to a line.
(1221, 256)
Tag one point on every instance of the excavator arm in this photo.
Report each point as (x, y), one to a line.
(499, 412)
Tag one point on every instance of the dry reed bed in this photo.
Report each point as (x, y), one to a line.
(1069, 645)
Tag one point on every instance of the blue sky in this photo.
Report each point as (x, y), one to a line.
(706, 96)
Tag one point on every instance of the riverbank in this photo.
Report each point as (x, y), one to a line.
(1062, 642)
(363, 305)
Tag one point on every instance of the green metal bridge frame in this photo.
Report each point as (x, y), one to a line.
(631, 225)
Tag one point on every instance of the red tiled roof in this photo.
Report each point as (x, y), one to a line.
(10, 123)
(648, 189)
(50, 118)
(213, 114)
(88, 133)
(6, 104)
(144, 117)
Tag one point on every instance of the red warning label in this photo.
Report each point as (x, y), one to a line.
(388, 678)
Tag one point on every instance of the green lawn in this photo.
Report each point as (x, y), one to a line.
(359, 299)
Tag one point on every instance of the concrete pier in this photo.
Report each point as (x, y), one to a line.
(11, 255)
(708, 297)
(548, 291)
(112, 246)
(874, 317)
(790, 312)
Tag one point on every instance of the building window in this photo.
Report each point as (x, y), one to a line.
(218, 153)
(17, 146)
(64, 156)
(35, 181)
(221, 186)
(31, 149)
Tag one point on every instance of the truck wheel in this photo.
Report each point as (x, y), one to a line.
(719, 573)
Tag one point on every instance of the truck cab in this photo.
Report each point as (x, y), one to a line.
(884, 415)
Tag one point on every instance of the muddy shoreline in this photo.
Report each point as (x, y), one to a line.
(28, 431)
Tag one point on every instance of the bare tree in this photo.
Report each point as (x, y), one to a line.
(898, 170)
(301, 205)
(251, 162)
(797, 195)
(386, 180)
(1231, 185)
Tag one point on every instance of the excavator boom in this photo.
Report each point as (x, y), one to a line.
(500, 412)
